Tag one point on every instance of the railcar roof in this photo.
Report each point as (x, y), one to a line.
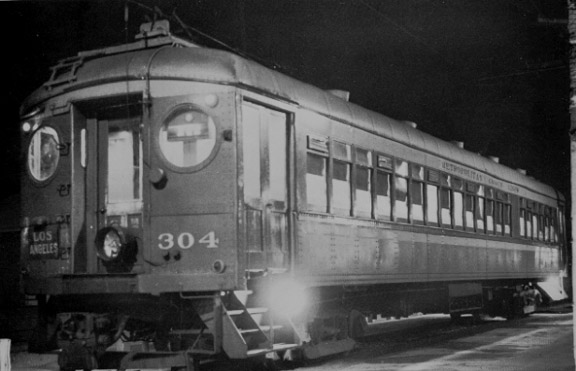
(215, 66)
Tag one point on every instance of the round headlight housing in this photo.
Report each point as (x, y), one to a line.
(109, 244)
(43, 153)
(188, 138)
(116, 249)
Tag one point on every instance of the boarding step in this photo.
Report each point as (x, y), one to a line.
(237, 312)
(275, 348)
(261, 328)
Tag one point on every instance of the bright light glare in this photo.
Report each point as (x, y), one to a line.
(26, 127)
(288, 297)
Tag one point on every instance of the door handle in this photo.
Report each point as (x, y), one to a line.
(102, 210)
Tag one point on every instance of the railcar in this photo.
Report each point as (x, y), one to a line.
(181, 204)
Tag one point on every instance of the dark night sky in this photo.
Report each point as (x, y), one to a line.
(490, 73)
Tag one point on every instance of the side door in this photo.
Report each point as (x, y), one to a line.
(265, 149)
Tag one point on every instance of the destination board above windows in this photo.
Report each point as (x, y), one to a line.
(318, 143)
(384, 162)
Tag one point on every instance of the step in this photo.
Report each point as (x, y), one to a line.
(256, 310)
(275, 348)
(262, 328)
(195, 331)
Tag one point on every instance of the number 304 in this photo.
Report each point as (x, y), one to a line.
(186, 240)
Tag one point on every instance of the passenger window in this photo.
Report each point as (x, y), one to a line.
(341, 179)
(480, 214)
(458, 210)
(401, 199)
(528, 224)
(535, 226)
(316, 182)
(490, 216)
(469, 212)
(507, 220)
(480, 211)
(432, 204)
(363, 182)
(523, 222)
(417, 198)
(498, 217)
(446, 201)
(417, 194)
(553, 223)
(401, 191)
(383, 200)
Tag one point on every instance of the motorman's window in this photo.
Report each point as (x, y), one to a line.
(317, 174)
(417, 193)
(401, 191)
(446, 200)
(341, 179)
(363, 182)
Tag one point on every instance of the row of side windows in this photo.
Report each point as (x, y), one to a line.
(351, 181)
(538, 222)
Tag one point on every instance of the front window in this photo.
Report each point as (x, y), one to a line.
(188, 137)
(43, 153)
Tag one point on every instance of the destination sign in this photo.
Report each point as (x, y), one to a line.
(44, 243)
(478, 177)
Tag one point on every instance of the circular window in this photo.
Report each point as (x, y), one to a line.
(43, 153)
(187, 137)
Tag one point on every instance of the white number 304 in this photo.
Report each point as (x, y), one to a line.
(185, 240)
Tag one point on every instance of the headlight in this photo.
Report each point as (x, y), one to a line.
(116, 249)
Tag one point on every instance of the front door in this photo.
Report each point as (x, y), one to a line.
(265, 173)
(114, 177)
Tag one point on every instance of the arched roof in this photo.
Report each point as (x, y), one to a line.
(215, 66)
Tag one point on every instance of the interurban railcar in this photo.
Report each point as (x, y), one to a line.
(182, 203)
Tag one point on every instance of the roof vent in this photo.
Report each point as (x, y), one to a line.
(412, 124)
(522, 171)
(495, 159)
(342, 94)
(458, 144)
